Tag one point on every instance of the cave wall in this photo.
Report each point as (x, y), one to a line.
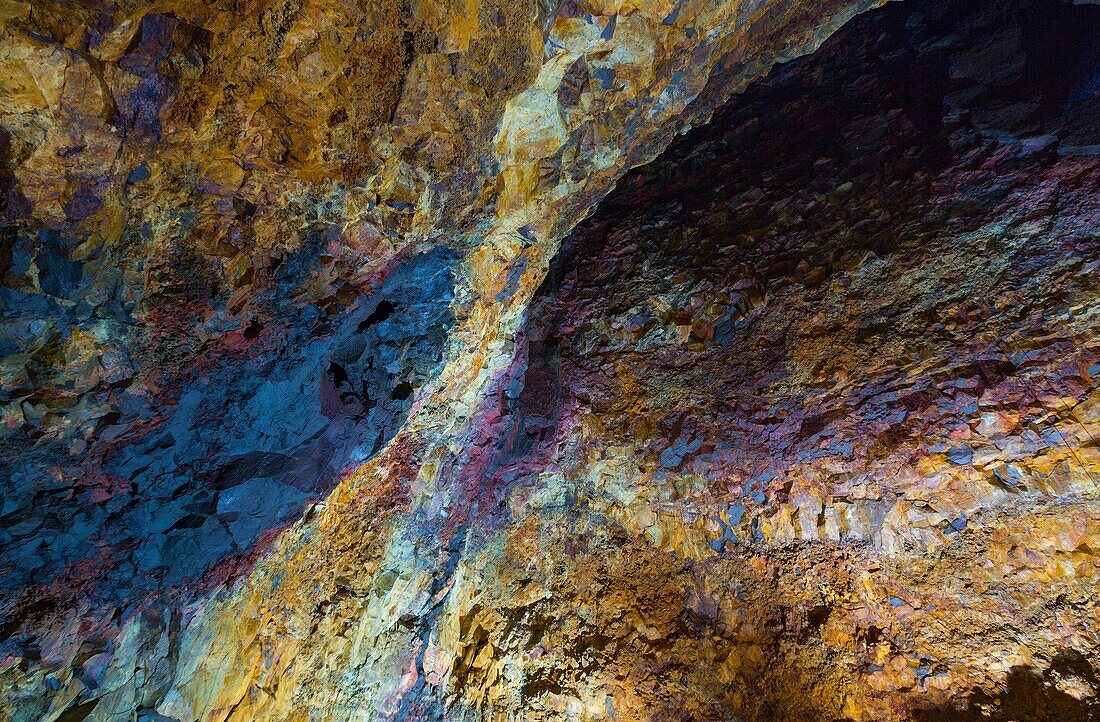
(350, 372)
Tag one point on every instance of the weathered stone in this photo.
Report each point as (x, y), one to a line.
(334, 387)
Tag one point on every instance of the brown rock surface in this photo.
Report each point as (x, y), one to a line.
(799, 424)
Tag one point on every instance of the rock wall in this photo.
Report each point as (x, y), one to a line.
(311, 412)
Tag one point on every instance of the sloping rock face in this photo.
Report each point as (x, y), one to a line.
(211, 211)
(835, 356)
(310, 412)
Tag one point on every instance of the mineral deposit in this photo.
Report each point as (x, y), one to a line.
(560, 360)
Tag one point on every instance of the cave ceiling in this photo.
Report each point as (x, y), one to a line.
(586, 360)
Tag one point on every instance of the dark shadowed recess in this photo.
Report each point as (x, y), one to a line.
(247, 445)
(904, 135)
(1028, 696)
(915, 126)
(726, 283)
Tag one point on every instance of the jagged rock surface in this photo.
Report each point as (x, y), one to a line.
(800, 424)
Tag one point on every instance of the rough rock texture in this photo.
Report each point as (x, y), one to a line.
(307, 417)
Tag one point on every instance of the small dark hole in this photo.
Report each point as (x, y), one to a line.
(78, 713)
(337, 373)
(244, 208)
(255, 328)
(191, 521)
(818, 616)
(381, 312)
(109, 419)
(402, 391)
